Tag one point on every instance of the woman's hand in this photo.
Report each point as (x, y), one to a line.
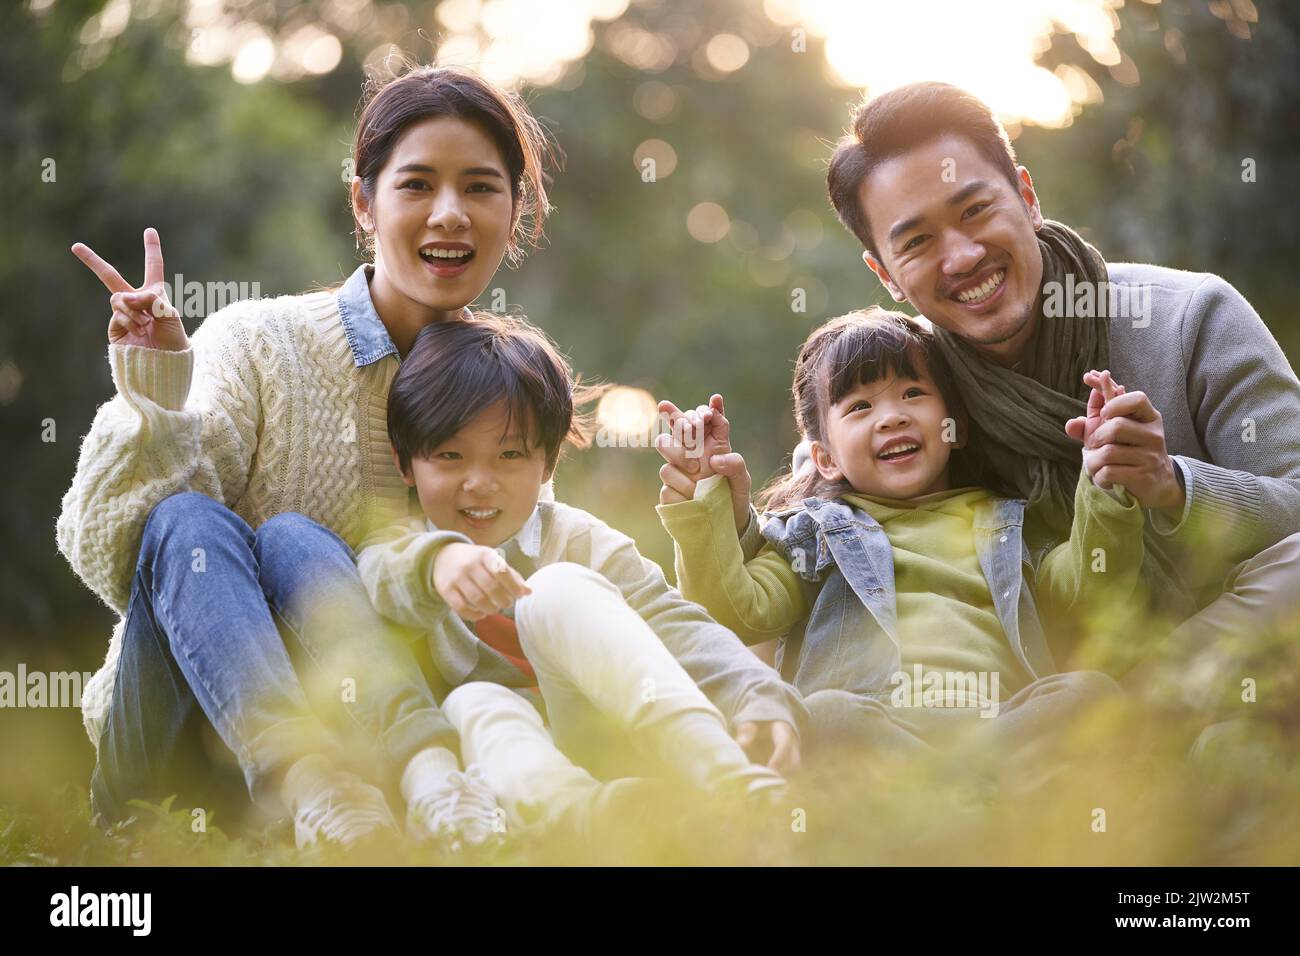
(706, 432)
(476, 581)
(141, 316)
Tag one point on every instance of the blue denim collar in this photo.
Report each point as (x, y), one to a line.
(366, 332)
(528, 539)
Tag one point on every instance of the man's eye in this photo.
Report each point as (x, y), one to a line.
(913, 242)
(975, 210)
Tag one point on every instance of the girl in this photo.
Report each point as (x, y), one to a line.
(890, 580)
(234, 473)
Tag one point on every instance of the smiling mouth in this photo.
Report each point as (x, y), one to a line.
(447, 257)
(897, 452)
(982, 292)
(480, 514)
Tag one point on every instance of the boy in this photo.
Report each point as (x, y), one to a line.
(530, 604)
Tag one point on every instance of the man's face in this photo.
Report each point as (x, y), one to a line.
(483, 481)
(959, 243)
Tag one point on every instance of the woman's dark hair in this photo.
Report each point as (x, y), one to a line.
(456, 369)
(901, 120)
(862, 347)
(426, 92)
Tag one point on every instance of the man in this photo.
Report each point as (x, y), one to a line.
(1206, 436)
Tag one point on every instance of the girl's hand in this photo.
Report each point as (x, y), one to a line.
(1104, 389)
(707, 431)
(476, 581)
(141, 316)
(1083, 428)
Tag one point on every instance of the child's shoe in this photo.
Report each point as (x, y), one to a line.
(463, 811)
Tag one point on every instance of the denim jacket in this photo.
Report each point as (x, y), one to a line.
(847, 565)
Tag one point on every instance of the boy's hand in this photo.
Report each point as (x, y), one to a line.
(770, 742)
(1123, 439)
(476, 581)
(699, 445)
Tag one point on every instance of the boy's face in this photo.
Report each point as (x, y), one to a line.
(869, 429)
(482, 481)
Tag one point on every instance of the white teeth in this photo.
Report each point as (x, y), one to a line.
(898, 450)
(981, 292)
(444, 253)
(481, 514)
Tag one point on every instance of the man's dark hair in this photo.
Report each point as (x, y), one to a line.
(456, 369)
(901, 120)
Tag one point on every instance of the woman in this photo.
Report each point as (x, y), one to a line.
(229, 478)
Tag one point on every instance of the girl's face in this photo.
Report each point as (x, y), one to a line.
(441, 214)
(891, 438)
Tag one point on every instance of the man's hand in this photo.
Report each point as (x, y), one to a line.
(1123, 439)
(771, 742)
(699, 445)
(476, 581)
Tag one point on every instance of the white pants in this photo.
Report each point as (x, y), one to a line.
(619, 704)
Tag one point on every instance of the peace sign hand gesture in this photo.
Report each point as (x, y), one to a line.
(141, 316)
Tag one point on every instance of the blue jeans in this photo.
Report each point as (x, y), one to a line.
(216, 611)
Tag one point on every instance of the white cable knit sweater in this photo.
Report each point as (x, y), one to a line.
(266, 412)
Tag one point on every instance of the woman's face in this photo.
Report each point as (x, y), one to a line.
(441, 214)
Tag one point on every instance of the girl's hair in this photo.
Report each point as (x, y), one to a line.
(426, 92)
(861, 347)
(456, 369)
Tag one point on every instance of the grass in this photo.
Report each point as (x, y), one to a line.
(1140, 803)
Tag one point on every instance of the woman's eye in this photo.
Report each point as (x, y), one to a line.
(483, 188)
(512, 455)
(913, 393)
(449, 455)
(418, 184)
(858, 406)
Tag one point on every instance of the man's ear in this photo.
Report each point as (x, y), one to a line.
(408, 475)
(824, 462)
(1029, 197)
(876, 266)
(361, 206)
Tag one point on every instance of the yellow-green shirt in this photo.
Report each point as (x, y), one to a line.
(946, 618)
(945, 612)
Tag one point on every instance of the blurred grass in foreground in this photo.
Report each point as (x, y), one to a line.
(1235, 803)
